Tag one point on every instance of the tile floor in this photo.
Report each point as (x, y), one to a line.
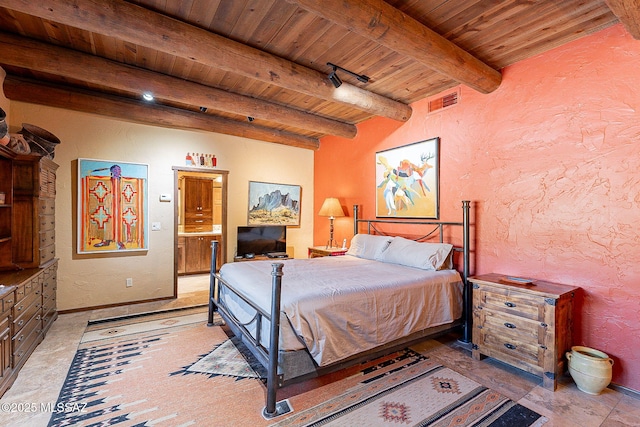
(42, 376)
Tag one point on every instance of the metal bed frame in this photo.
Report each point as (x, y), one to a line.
(270, 357)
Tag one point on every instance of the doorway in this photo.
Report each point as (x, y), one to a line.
(200, 216)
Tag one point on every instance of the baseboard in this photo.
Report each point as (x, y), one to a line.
(146, 313)
(625, 390)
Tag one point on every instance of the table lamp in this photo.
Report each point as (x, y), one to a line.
(331, 208)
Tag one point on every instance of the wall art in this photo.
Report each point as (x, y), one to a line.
(112, 206)
(273, 204)
(407, 181)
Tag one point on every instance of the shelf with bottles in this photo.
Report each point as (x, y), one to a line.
(201, 160)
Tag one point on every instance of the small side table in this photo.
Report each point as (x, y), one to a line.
(319, 251)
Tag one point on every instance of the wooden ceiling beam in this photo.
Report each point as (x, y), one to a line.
(26, 53)
(390, 27)
(136, 111)
(134, 24)
(628, 12)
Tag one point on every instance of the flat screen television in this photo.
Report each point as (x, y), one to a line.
(261, 239)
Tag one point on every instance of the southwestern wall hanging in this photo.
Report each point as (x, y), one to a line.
(273, 204)
(407, 181)
(112, 206)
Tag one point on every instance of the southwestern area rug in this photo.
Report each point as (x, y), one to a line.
(173, 370)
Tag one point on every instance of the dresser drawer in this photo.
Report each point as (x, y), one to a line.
(47, 237)
(47, 222)
(47, 206)
(23, 305)
(26, 340)
(49, 302)
(6, 303)
(29, 308)
(47, 253)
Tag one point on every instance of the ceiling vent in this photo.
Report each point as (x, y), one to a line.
(444, 101)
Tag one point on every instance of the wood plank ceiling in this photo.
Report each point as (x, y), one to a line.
(258, 68)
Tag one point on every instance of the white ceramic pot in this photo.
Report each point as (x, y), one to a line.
(591, 369)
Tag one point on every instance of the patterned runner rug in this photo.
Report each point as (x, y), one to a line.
(173, 370)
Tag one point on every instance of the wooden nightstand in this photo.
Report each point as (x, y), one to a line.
(525, 325)
(318, 251)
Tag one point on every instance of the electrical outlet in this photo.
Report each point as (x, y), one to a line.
(129, 282)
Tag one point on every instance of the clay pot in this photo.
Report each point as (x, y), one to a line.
(591, 369)
(18, 144)
(41, 141)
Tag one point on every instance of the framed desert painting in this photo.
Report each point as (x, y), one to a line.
(112, 206)
(407, 181)
(273, 204)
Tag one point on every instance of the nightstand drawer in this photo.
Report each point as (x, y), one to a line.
(523, 351)
(509, 302)
(518, 327)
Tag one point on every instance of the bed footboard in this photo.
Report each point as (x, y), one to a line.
(268, 357)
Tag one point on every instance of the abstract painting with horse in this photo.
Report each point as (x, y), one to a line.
(407, 181)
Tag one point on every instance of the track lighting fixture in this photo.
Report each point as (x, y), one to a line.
(337, 81)
(203, 109)
(334, 78)
(250, 119)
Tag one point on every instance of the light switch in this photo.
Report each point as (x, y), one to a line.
(165, 197)
(155, 226)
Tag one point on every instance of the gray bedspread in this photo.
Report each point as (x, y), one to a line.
(339, 306)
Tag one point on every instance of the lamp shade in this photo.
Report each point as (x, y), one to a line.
(331, 207)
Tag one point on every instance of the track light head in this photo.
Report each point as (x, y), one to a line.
(334, 78)
(337, 81)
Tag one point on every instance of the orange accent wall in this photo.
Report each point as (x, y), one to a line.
(551, 163)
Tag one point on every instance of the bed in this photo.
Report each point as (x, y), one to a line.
(305, 317)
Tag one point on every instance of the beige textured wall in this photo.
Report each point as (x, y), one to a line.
(100, 280)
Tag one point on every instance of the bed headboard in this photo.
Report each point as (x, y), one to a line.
(439, 228)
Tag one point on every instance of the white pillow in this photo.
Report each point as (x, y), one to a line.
(368, 246)
(424, 255)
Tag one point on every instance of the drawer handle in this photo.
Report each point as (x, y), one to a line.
(510, 346)
(510, 325)
(509, 304)
(20, 323)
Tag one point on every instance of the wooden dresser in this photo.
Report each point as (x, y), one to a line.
(27, 258)
(525, 325)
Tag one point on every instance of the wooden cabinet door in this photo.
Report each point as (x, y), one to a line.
(198, 204)
(197, 254)
(191, 196)
(5, 350)
(206, 198)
